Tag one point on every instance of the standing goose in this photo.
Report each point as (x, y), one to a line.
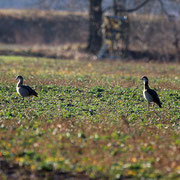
(23, 90)
(149, 94)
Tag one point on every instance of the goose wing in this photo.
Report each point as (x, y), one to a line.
(30, 90)
(155, 96)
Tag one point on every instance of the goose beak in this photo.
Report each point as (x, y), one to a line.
(141, 79)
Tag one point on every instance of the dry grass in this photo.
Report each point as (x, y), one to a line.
(38, 13)
(64, 34)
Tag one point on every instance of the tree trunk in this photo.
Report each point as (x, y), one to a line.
(95, 21)
(119, 4)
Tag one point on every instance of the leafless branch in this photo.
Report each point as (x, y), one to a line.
(171, 15)
(130, 10)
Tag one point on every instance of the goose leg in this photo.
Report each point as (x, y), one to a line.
(153, 106)
(148, 106)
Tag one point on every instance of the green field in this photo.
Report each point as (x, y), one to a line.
(90, 117)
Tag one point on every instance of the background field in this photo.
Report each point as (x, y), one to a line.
(89, 121)
(64, 35)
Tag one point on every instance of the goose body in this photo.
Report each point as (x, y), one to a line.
(149, 94)
(23, 90)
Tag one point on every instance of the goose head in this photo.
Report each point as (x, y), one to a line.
(145, 79)
(19, 77)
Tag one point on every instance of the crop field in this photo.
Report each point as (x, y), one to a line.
(90, 119)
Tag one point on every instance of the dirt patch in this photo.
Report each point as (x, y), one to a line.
(14, 171)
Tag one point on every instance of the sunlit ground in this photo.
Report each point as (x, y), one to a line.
(90, 117)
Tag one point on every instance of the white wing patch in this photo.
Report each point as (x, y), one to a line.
(147, 96)
(22, 91)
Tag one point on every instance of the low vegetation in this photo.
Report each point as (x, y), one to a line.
(90, 117)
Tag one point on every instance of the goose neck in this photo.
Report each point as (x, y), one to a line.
(146, 86)
(20, 82)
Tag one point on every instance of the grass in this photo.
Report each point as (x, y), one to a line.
(90, 117)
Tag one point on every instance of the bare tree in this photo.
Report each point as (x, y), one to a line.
(172, 15)
(95, 17)
(95, 21)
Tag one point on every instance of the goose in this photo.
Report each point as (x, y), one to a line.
(149, 94)
(23, 90)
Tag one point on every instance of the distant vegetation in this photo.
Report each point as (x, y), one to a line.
(75, 5)
(42, 27)
(30, 32)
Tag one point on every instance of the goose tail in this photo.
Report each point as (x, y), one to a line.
(160, 105)
(35, 94)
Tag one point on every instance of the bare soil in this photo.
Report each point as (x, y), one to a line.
(14, 171)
